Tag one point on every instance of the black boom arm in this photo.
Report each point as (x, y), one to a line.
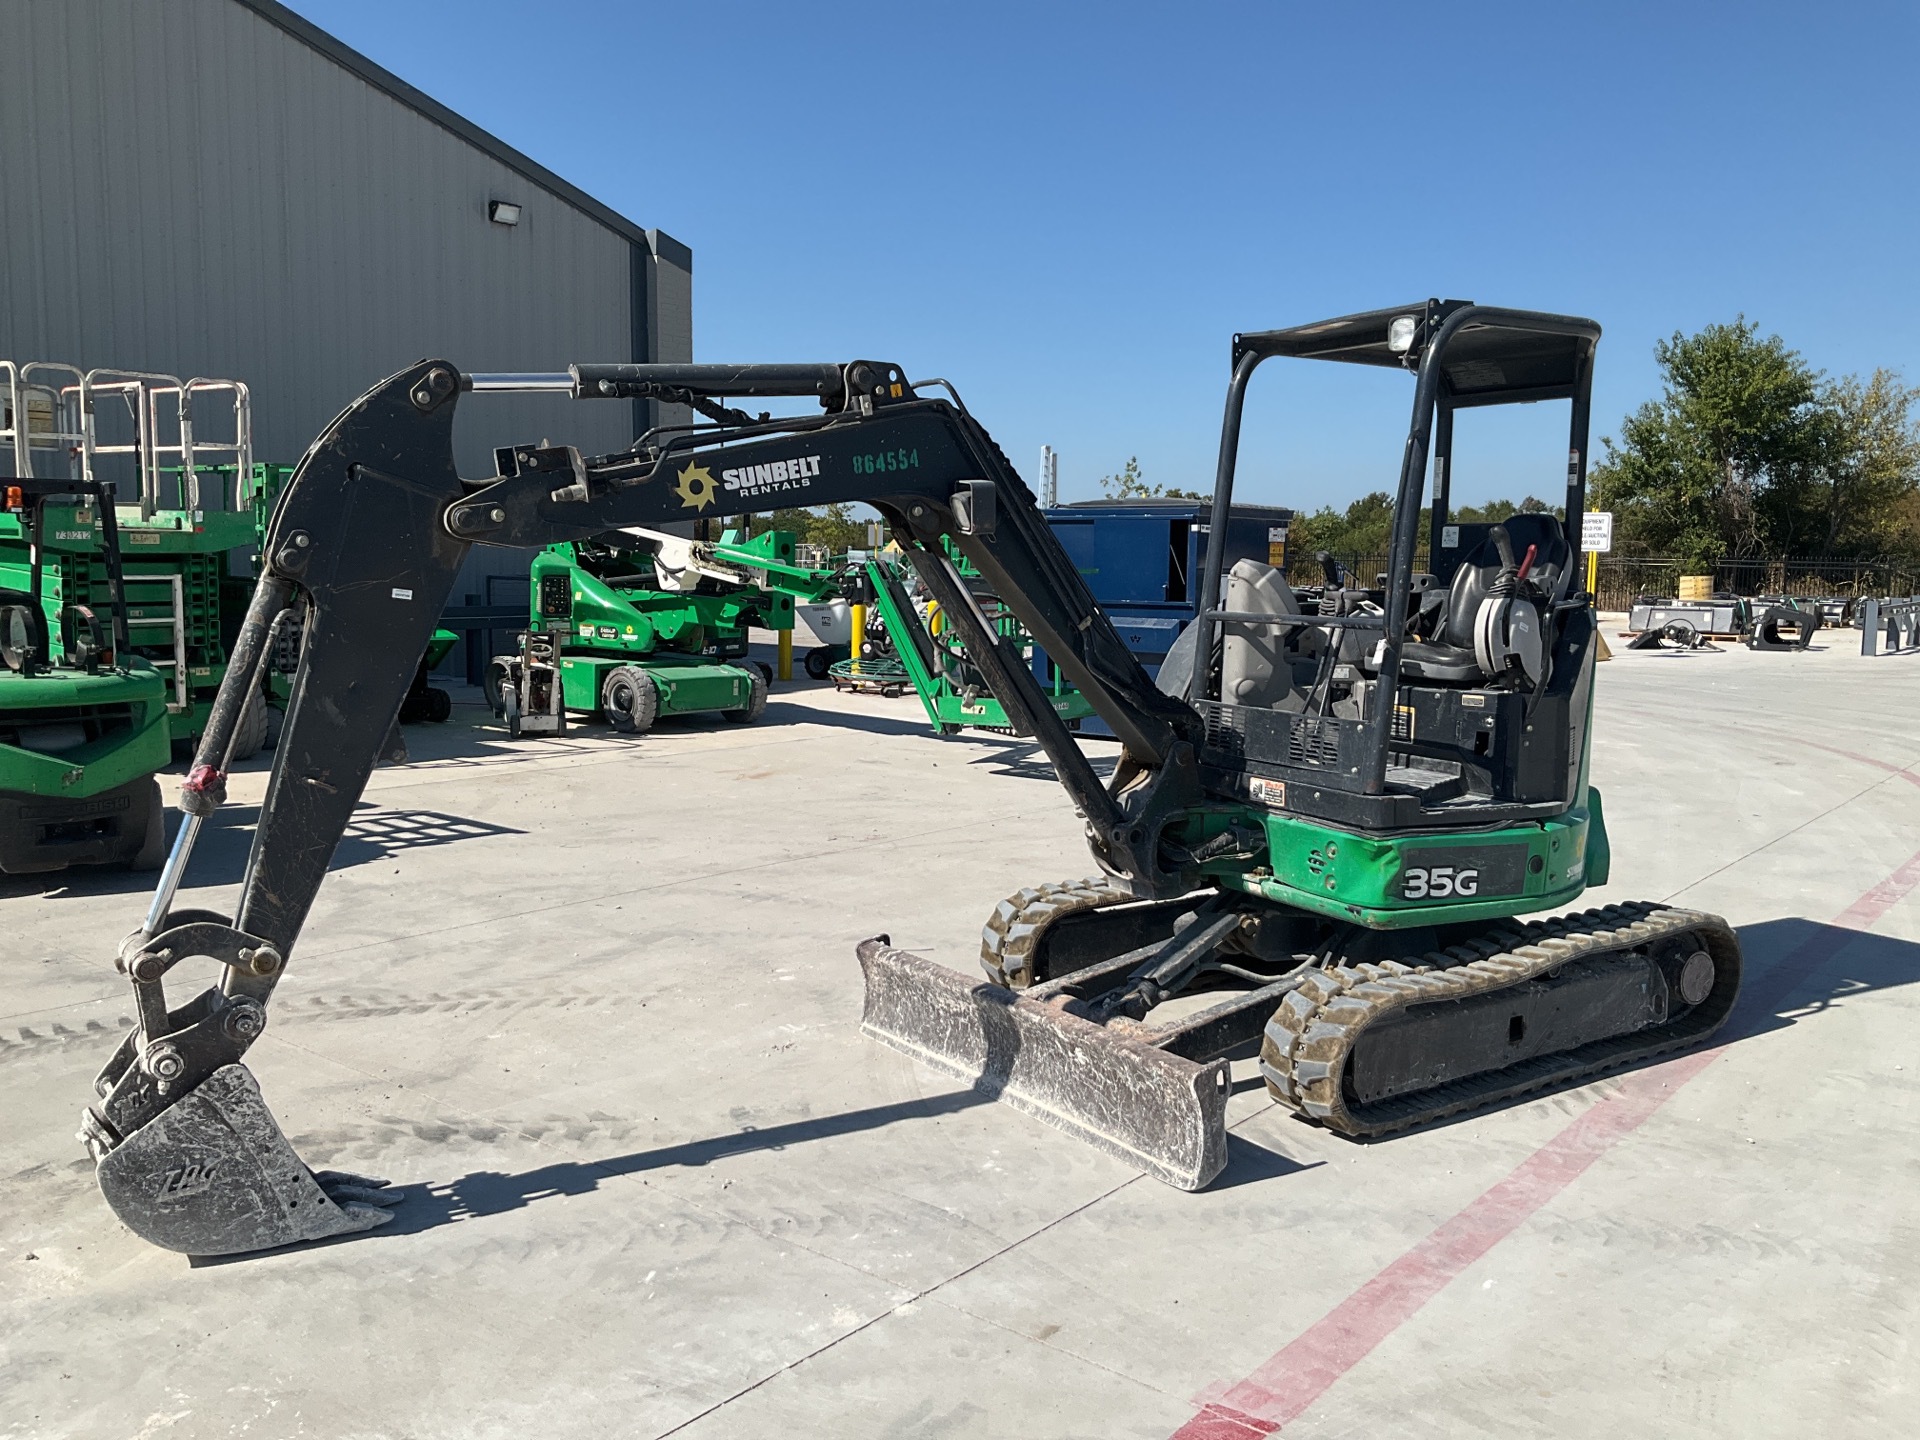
(361, 555)
(370, 532)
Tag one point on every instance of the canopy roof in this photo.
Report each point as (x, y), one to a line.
(1495, 357)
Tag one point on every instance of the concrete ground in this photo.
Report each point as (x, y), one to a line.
(593, 1001)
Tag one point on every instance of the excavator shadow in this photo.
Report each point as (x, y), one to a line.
(1797, 969)
(483, 1193)
(376, 832)
(1025, 760)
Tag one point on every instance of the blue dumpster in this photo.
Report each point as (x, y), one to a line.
(1143, 560)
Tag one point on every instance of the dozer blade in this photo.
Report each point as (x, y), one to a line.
(1153, 1109)
(213, 1175)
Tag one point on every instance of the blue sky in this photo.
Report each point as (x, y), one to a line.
(1069, 209)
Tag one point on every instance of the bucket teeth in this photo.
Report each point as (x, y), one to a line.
(214, 1175)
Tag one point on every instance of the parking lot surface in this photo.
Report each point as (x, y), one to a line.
(593, 1001)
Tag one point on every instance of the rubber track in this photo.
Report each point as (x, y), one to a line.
(1310, 1038)
(1014, 931)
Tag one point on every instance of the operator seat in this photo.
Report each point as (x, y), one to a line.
(1448, 658)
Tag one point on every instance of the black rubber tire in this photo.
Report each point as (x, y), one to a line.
(766, 671)
(819, 659)
(251, 733)
(756, 702)
(630, 699)
(439, 706)
(152, 853)
(494, 684)
(510, 711)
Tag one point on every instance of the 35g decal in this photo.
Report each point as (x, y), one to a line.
(1438, 882)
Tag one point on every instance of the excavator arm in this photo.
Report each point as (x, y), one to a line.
(362, 553)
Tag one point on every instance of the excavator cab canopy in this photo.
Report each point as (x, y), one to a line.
(1451, 692)
(1494, 357)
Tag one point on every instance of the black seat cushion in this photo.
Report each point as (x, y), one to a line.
(1440, 663)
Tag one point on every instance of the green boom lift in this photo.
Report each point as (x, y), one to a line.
(637, 624)
(925, 651)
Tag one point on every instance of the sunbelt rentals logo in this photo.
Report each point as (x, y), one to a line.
(750, 481)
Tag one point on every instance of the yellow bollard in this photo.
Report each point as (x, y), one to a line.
(1593, 589)
(785, 668)
(858, 614)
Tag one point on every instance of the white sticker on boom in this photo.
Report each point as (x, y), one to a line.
(403, 594)
(1449, 537)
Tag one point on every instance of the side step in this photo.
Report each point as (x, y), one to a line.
(1136, 1101)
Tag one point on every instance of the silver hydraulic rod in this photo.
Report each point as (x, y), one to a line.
(521, 382)
(170, 876)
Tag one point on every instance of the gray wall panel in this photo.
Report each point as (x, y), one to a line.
(187, 187)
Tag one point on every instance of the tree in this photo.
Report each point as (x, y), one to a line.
(1129, 484)
(1365, 527)
(1364, 530)
(1706, 470)
(1862, 496)
(833, 526)
(1494, 511)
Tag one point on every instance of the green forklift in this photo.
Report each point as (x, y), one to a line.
(83, 719)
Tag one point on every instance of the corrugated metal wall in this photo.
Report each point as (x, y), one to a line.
(187, 187)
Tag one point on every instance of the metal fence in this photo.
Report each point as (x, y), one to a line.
(1623, 578)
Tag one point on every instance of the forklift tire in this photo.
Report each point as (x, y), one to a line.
(510, 711)
(756, 702)
(439, 706)
(494, 685)
(766, 671)
(818, 660)
(630, 699)
(251, 733)
(152, 853)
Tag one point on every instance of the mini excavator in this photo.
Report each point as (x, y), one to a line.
(1326, 817)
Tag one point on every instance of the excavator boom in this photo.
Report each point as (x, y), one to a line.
(362, 552)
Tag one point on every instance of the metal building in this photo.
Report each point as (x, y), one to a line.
(220, 188)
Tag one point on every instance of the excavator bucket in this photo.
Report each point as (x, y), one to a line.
(1136, 1101)
(213, 1175)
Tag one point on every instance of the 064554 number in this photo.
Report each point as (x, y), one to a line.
(1438, 882)
(886, 460)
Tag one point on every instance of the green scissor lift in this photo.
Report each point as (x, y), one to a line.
(187, 501)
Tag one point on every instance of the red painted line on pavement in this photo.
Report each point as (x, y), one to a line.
(1290, 1381)
(1904, 772)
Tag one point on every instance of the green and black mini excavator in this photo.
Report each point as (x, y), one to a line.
(1325, 819)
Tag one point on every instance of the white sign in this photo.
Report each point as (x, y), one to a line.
(1596, 531)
